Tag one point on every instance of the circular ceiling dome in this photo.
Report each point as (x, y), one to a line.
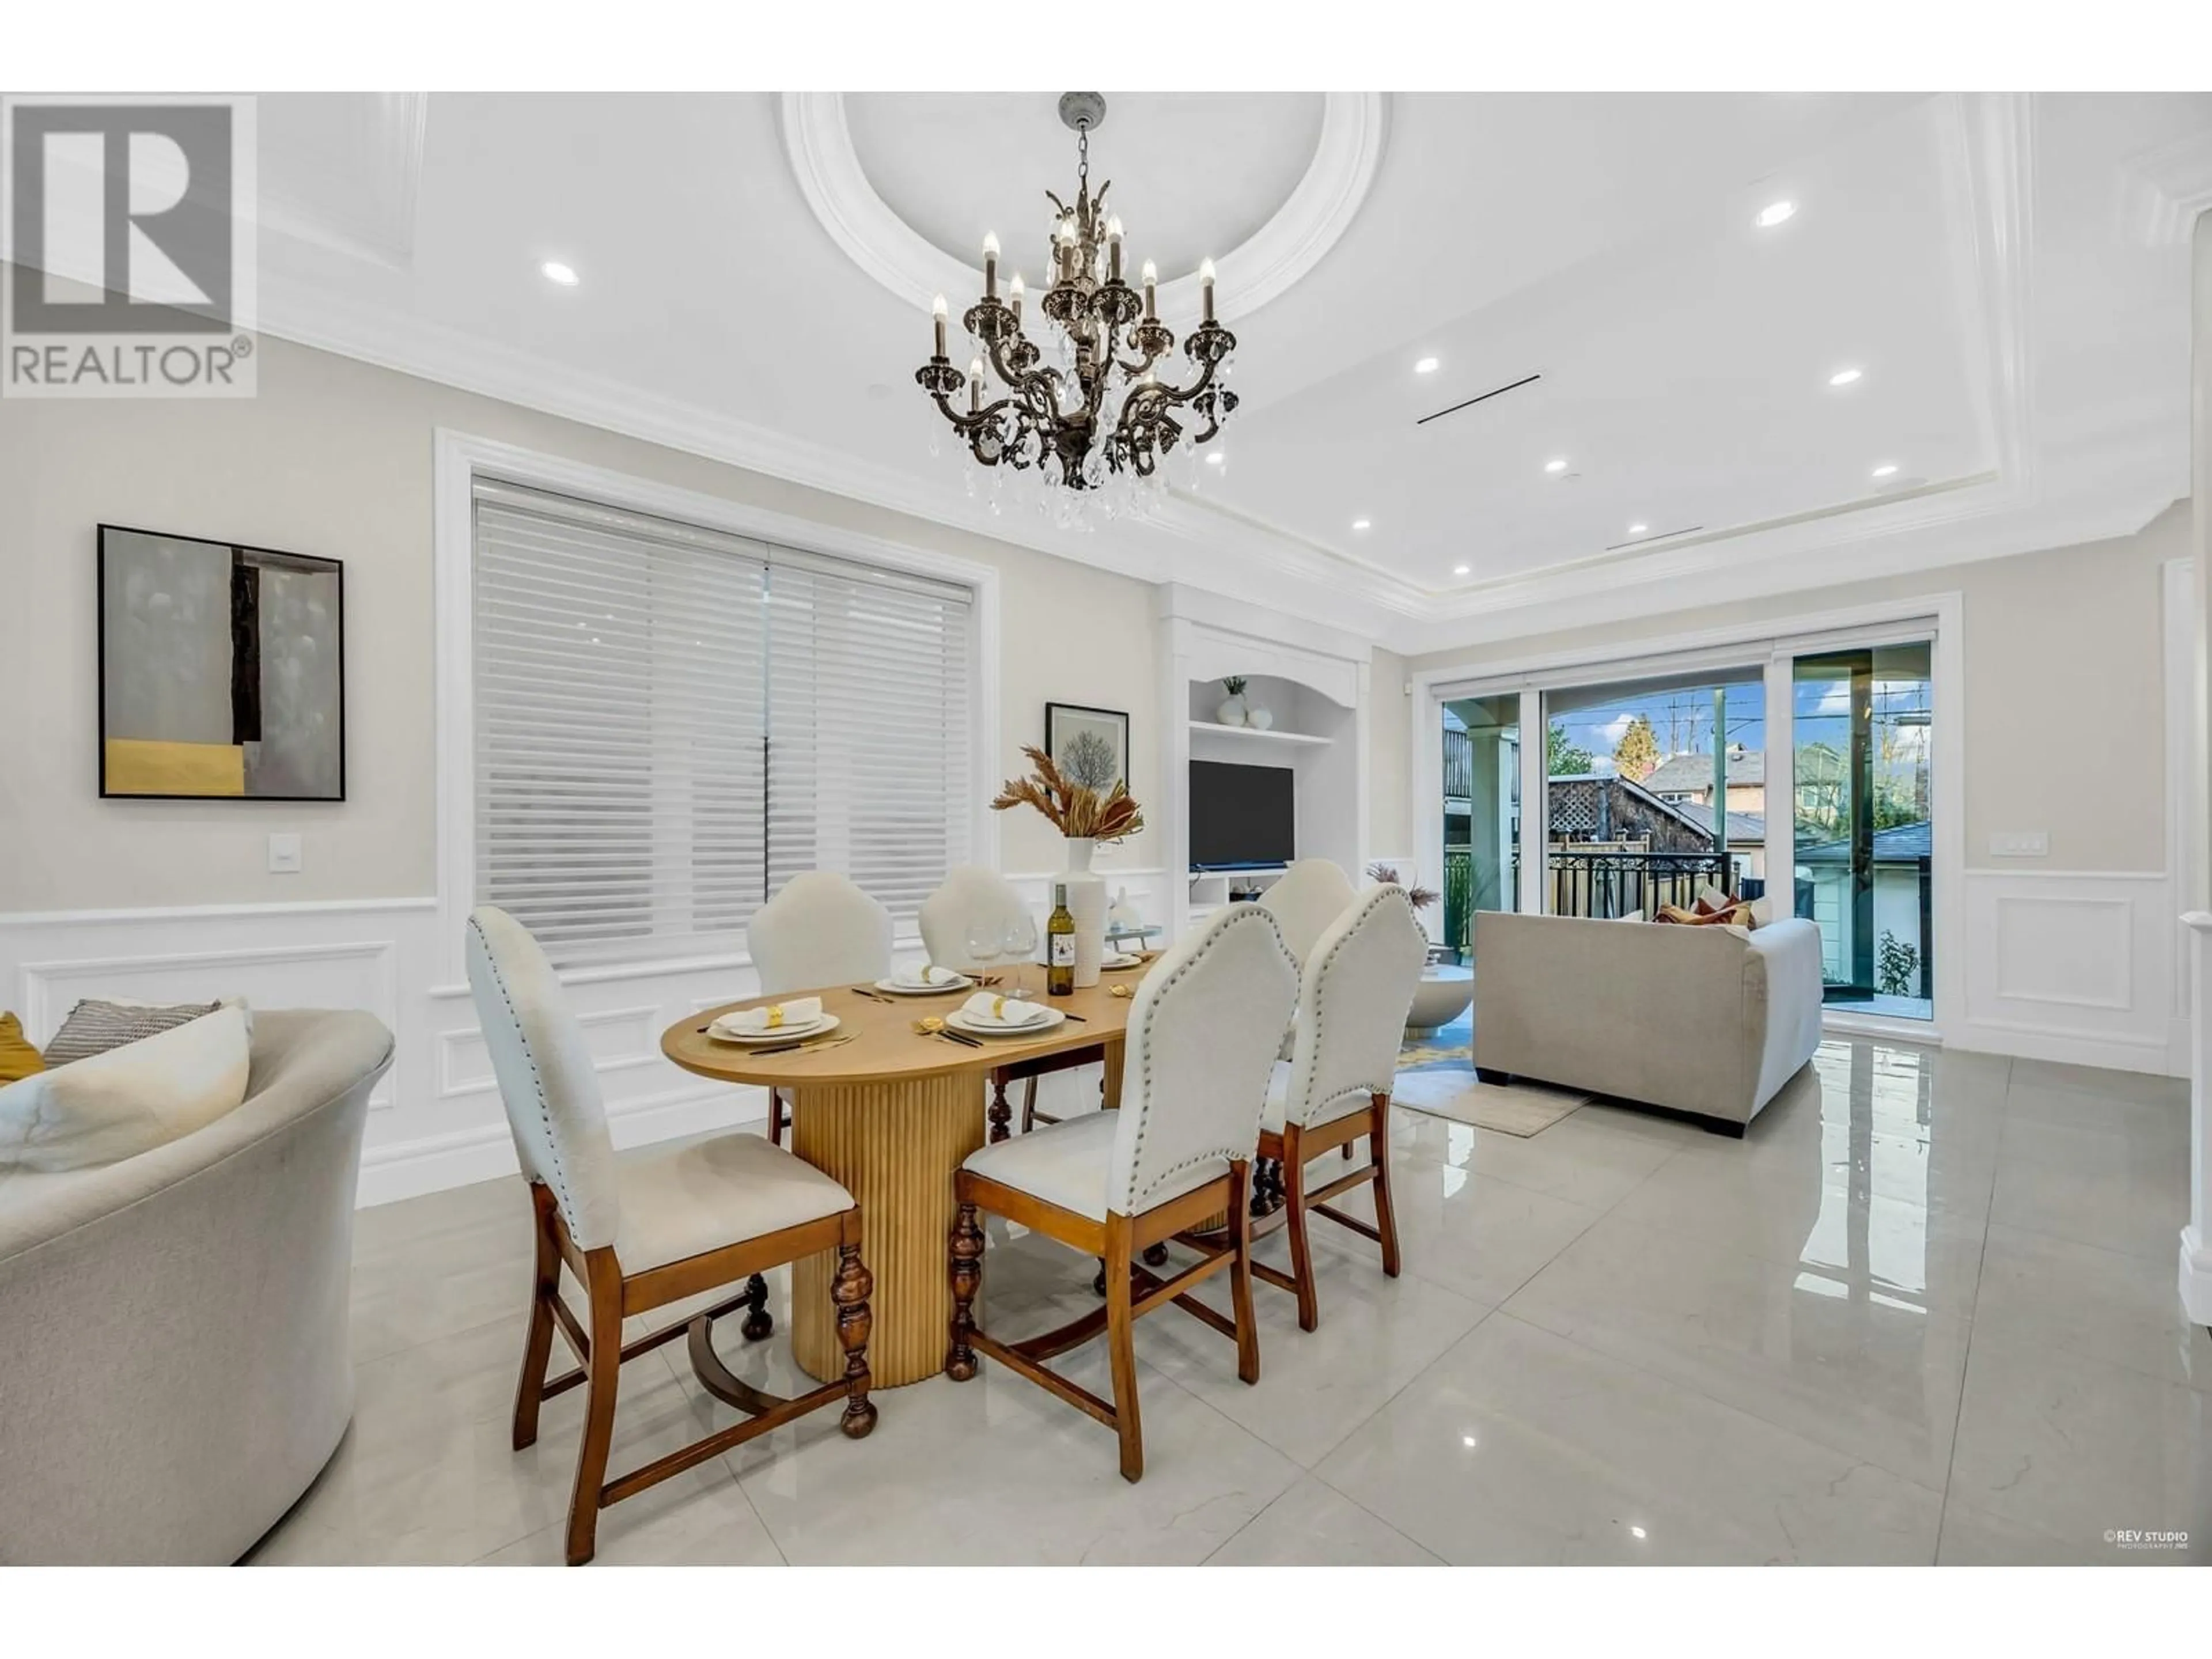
(1194, 175)
(1263, 184)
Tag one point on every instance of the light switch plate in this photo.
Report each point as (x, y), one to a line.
(2019, 844)
(284, 853)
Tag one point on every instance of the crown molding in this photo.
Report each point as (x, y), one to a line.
(817, 141)
(2163, 189)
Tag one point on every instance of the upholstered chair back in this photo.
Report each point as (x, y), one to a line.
(546, 1078)
(1202, 1036)
(818, 930)
(1312, 893)
(1354, 994)
(970, 893)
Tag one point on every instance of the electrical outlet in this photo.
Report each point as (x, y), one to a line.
(284, 853)
(2019, 844)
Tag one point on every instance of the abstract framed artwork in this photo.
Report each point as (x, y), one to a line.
(222, 671)
(1090, 746)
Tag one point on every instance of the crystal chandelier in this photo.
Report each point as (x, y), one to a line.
(1100, 421)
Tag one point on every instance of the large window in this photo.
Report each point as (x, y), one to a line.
(671, 722)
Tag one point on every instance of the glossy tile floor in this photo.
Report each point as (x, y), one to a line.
(1926, 1312)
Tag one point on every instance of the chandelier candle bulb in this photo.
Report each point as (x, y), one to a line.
(1014, 292)
(936, 314)
(991, 266)
(974, 384)
(1113, 249)
(1151, 292)
(1205, 288)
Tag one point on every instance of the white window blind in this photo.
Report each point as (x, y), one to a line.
(671, 722)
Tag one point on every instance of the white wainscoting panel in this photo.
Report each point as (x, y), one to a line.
(2074, 966)
(436, 1120)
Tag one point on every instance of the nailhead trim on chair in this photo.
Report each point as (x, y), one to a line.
(1240, 919)
(545, 1106)
(1380, 895)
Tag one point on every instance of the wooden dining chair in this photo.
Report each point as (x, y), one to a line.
(1354, 992)
(969, 893)
(639, 1235)
(1201, 1036)
(819, 929)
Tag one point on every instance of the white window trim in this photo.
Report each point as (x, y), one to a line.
(1774, 640)
(461, 459)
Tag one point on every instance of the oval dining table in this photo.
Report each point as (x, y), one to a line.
(891, 1114)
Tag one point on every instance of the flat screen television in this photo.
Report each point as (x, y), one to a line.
(1240, 816)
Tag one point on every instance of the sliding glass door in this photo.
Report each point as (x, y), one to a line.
(1482, 812)
(1862, 727)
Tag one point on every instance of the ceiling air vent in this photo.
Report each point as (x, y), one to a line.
(1663, 536)
(1469, 403)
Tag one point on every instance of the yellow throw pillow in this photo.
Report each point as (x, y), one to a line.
(18, 1058)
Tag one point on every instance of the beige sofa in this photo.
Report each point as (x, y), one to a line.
(174, 1365)
(1706, 1021)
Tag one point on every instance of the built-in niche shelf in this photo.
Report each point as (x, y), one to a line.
(1253, 735)
(1313, 681)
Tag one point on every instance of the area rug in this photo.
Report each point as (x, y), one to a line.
(1436, 1075)
(1513, 1109)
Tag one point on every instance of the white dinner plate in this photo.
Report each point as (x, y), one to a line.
(959, 1020)
(821, 1027)
(1113, 959)
(963, 983)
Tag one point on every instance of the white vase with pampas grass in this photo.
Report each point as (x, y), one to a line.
(1085, 819)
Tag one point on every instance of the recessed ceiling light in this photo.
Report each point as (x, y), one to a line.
(1559, 466)
(554, 271)
(1774, 213)
(1216, 459)
(1885, 468)
(1638, 529)
(1466, 1440)
(1844, 376)
(1426, 366)
(1361, 524)
(1458, 570)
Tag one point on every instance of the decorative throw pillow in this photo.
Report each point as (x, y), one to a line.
(94, 1026)
(18, 1058)
(1676, 913)
(128, 1100)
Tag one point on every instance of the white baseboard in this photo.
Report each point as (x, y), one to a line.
(2065, 1047)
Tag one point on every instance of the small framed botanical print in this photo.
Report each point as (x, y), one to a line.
(1090, 746)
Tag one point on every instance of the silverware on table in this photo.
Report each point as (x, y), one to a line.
(870, 992)
(792, 1048)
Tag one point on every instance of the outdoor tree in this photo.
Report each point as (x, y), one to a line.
(1636, 756)
(1562, 758)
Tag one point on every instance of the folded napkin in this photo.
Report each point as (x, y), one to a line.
(800, 1011)
(986, 1008)
(927, 975)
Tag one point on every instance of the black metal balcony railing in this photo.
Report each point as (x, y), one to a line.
(1610, 884)
(1459, 765)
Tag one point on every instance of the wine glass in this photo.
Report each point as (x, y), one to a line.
(1020, 942)
(986, 939)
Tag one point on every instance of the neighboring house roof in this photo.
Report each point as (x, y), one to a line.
(1684, 812)
(1901, 843)
(1741, 826)
(1684, 774)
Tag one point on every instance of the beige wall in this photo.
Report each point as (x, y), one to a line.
(1389, 830)
(2064, 693)
(334, 459)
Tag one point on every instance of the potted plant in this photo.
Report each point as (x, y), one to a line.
(1231, 709)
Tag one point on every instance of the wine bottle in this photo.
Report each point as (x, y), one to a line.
(1059, 936)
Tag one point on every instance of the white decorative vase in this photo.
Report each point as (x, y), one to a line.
(1086, 902)
(1258, 719)
(1230, 713)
